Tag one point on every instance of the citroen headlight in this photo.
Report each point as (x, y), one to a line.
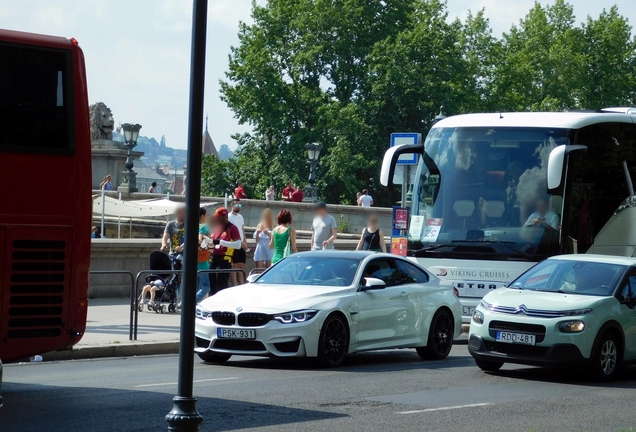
(577, 312)
(295, 317)
(572, 326)
(478, 317)
(202, 313)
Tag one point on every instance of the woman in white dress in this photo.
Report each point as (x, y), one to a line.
(263, 234)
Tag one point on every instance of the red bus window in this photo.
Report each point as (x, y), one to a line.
(35, 85)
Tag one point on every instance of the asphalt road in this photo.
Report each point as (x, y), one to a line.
(385, 391)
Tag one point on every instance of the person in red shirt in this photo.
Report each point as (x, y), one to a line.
(298, 195)
(288, 191)
(226, 238)
(239, 192)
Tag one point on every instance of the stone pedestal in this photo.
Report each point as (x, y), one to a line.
(109, 157)
(128, 182)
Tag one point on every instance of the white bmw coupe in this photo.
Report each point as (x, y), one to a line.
(328, 304)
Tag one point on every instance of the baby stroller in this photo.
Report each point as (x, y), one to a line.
(166, 284)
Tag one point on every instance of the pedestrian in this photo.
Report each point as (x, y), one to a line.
(372, 237)
(153, 188)
(270, 194)
(365, 199)
(324, 229)
(298, 195)
(239, 192)
(107, 184)
(283, 241)
(225, 238)
(95, 233)
(203, 257)
(263, 234)
(173, 234)
(288, 191)
(358, 195)
(240, 253)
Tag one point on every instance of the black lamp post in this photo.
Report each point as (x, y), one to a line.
(441, 115)
(128, 176)
(313, 153)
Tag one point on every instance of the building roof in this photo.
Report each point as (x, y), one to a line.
(208, 146)
(145, 172)
(566, 120)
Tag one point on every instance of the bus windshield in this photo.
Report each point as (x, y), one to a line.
(480, 192)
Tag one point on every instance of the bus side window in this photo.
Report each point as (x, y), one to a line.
(598, 182)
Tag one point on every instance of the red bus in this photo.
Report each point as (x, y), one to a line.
(45, 194)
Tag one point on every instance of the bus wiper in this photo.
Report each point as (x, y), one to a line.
(429, 248)
(503, 243)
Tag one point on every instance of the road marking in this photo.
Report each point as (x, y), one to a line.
(444, 408)
(195, 381)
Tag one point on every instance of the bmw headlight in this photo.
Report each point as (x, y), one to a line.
(478, 317)
(202, 313)
(572, 326)
(295, 317)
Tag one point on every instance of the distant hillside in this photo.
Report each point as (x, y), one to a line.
(225, 152)
(157, 152)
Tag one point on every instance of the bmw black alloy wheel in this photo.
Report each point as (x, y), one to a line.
(333, 341)
(443, 333)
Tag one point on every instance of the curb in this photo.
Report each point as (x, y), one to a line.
(128, 350)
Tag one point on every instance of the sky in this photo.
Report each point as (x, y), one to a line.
(138, 51)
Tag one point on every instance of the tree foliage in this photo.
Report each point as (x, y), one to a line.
(348, 73)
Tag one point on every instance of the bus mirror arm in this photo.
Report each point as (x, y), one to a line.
(390, 161)
(557, 165)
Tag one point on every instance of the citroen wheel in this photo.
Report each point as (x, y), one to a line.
(605, 357)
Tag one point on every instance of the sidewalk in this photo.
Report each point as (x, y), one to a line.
(107, 331)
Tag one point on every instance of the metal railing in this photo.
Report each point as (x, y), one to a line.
(134, 303)
(133, 292)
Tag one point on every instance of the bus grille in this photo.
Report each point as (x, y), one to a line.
(37, 284)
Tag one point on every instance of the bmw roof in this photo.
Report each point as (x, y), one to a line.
(607, 259)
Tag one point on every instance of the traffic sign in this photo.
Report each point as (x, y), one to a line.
(399, 138)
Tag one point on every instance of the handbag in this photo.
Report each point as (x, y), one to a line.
(288, 250)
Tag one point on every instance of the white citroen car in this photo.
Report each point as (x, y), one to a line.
(327, 304)
(567, 310)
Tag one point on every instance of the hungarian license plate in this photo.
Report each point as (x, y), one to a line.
(516, 338)
(225, 333)
(468, 310)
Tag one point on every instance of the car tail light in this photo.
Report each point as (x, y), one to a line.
(456, 291)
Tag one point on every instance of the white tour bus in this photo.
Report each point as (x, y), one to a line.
(493, 194)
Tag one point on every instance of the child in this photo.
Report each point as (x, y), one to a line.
(151, 288)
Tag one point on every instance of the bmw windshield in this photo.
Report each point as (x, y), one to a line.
(480, 193)
(311, 270)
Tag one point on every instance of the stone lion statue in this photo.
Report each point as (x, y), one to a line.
(102, 122)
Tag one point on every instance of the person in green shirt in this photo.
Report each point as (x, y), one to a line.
(283, 235)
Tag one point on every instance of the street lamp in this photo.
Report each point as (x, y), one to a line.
(313, 153)
(128, 176)
(441, 115)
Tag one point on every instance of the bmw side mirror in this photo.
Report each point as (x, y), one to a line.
(252, 278)
(373, 284)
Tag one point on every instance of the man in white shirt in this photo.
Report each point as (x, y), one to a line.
(365, 199)
(324, 228)
(543, 216)
(239, 257)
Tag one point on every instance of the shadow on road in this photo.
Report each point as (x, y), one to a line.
(30, 407)
(626, 377)
(376, 361)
